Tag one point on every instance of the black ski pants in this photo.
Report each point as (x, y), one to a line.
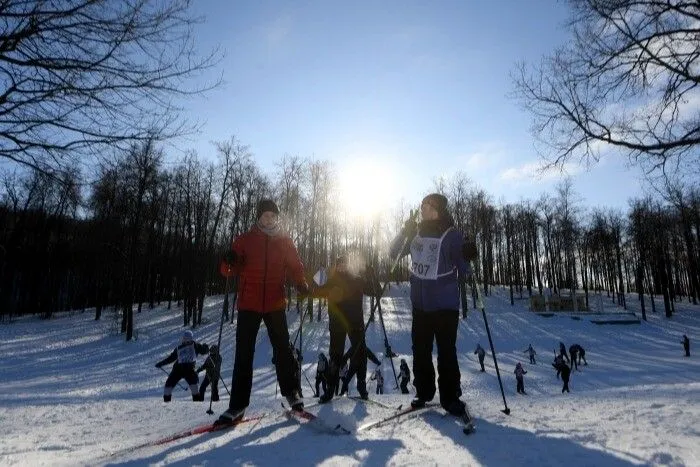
(565, 378)
(439, 326)
(248, 325)
(214, 387)
(520, 386)
(339, 330)
(574, 360)
(321, 384)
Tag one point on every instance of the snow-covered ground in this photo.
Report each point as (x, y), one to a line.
(73, 392)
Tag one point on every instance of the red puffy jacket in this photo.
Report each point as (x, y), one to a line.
(263, 264)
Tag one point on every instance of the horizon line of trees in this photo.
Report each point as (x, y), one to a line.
(145, 233)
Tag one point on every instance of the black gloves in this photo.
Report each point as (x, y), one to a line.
(469, 250)
(230, 258)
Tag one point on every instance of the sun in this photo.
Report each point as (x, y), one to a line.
(366, 187)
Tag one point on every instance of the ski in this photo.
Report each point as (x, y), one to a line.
(398, 414)
(201, 429)
(313, 421)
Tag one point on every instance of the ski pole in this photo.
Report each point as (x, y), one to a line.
(178, 384)
(308, 382)
(224, 383)
(221, 327)
(488, 333)
(387, 347)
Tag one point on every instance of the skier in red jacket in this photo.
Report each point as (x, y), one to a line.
(263, 258)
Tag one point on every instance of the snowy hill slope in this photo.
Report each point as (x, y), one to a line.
(74, 392)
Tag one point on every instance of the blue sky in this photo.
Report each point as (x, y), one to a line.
(412, 90)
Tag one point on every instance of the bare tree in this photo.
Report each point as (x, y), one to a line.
(628, 78)
(79, 76)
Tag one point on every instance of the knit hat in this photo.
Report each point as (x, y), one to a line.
(187, 336)
(437, 201)
(265, 205)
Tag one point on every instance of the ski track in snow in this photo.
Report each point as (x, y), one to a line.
(74, 391)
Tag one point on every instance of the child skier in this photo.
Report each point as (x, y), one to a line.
(531, 353)
(573, 351)
(481, 353)
(185, 358)
(557, 363)
(212, 368)
(565, 374)
(379, 377)
(686, 345)
(321, 374)
(344, 373)
(519, 373)
(580, 352)
(404, 376)
(562, 351)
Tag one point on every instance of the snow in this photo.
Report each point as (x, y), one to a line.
(74, 393)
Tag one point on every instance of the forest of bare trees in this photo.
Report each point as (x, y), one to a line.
(145, 233)
(94, 214)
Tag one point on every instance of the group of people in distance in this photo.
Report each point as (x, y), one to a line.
(266, 260)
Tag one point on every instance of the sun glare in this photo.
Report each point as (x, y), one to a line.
(366, 188)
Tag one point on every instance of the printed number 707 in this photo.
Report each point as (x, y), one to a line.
(421, 268)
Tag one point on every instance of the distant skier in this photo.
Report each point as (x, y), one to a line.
(562, 351)
(557, 363)
(686, 345)
(185, 358)
(404, 376)
(321, 375)
(379, 377)
(212, 368)
(519, 377)
(481, 353)
(580, 352)
(573, 352)
(565, 374)
(531, 353)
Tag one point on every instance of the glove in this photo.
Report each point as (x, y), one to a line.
(469, 250)
(410, 228)
(230, 257)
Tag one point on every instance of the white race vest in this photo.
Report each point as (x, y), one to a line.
(425, 256)
(185, 353)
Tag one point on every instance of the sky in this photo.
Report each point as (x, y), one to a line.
(408, 91)
(75, 393)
